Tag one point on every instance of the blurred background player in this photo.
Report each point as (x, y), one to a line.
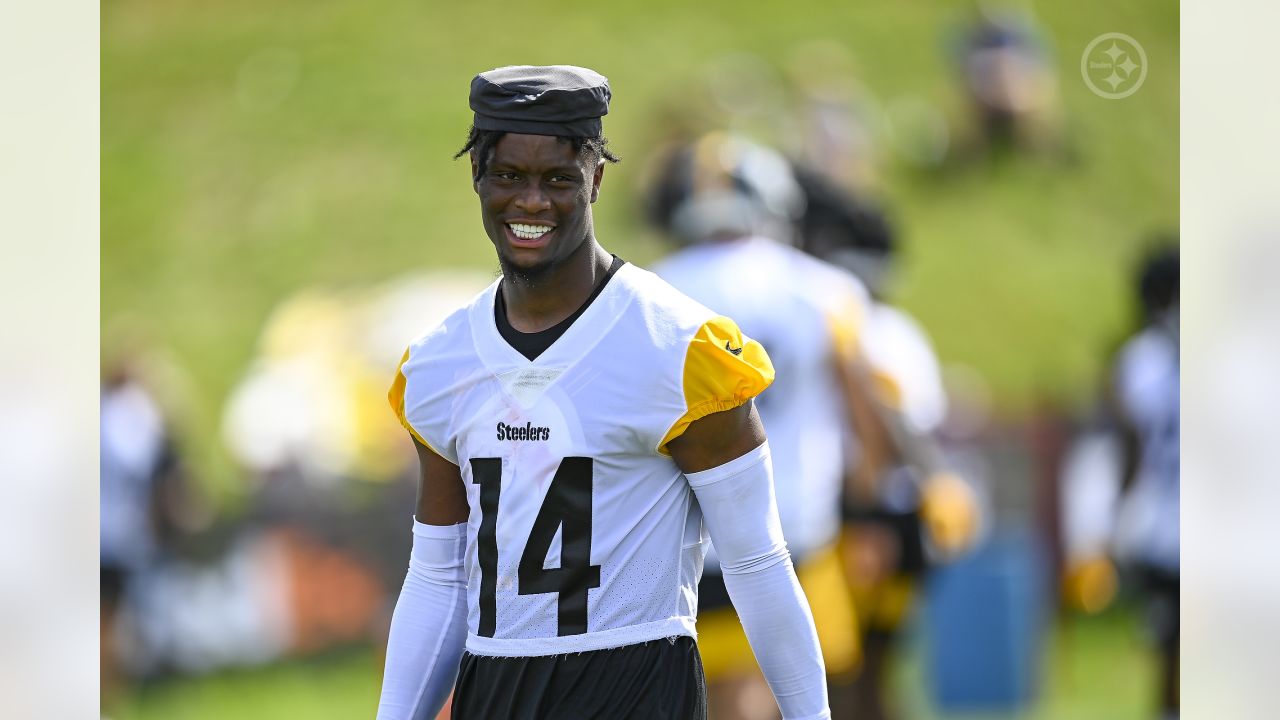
(1006, 70)
(913, 512)
(139, 468)
(732, 204)
(1145, 391)
(1120, 476)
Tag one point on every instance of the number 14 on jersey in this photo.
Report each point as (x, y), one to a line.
(567, 506)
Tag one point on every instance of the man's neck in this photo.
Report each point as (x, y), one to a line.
(536, 306)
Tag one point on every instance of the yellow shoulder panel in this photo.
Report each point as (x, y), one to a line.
(395, 396)
(722, 369)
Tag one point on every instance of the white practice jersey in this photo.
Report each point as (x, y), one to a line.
(807, 314)
(906, 367)
(1146, 384)
(583, 534)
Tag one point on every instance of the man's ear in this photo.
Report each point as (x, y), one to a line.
(475, 167)
(595, 181)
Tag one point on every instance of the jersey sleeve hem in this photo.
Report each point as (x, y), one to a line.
(697, 413)
(395, 396)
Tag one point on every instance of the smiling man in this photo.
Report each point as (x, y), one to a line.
(578, 425)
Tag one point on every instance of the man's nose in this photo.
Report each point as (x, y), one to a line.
(532, 199)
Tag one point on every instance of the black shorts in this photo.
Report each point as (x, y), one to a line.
(1162, 589)
(907, 526)
(656, 679)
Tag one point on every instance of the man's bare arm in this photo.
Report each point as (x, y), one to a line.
(876, 448)
(717, 438)
(442, 495)
(948, 506)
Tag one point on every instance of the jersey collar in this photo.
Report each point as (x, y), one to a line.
(589, 329)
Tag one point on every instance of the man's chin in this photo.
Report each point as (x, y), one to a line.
(529, 273)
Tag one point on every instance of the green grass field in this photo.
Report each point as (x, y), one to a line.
(251, 149)
(1096, 668)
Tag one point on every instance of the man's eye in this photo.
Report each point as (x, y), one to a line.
(507, 176)
(562, 179)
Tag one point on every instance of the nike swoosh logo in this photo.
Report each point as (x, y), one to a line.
(735, 351)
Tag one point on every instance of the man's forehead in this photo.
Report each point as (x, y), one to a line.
(544, 148)
(512, 139)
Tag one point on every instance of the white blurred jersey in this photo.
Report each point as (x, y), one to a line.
(1146, 383)
(583, 534)
(899, 352)
(131, 440)
(806, 313)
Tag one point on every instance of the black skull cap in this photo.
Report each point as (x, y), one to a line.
(559, 100)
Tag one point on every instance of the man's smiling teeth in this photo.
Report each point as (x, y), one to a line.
(528, 232)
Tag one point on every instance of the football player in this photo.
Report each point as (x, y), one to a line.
(733, 205)
(1146, 394)
(916, 511)
(579, 424)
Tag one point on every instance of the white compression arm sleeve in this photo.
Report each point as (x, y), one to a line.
(429, 626)
(741, 514)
